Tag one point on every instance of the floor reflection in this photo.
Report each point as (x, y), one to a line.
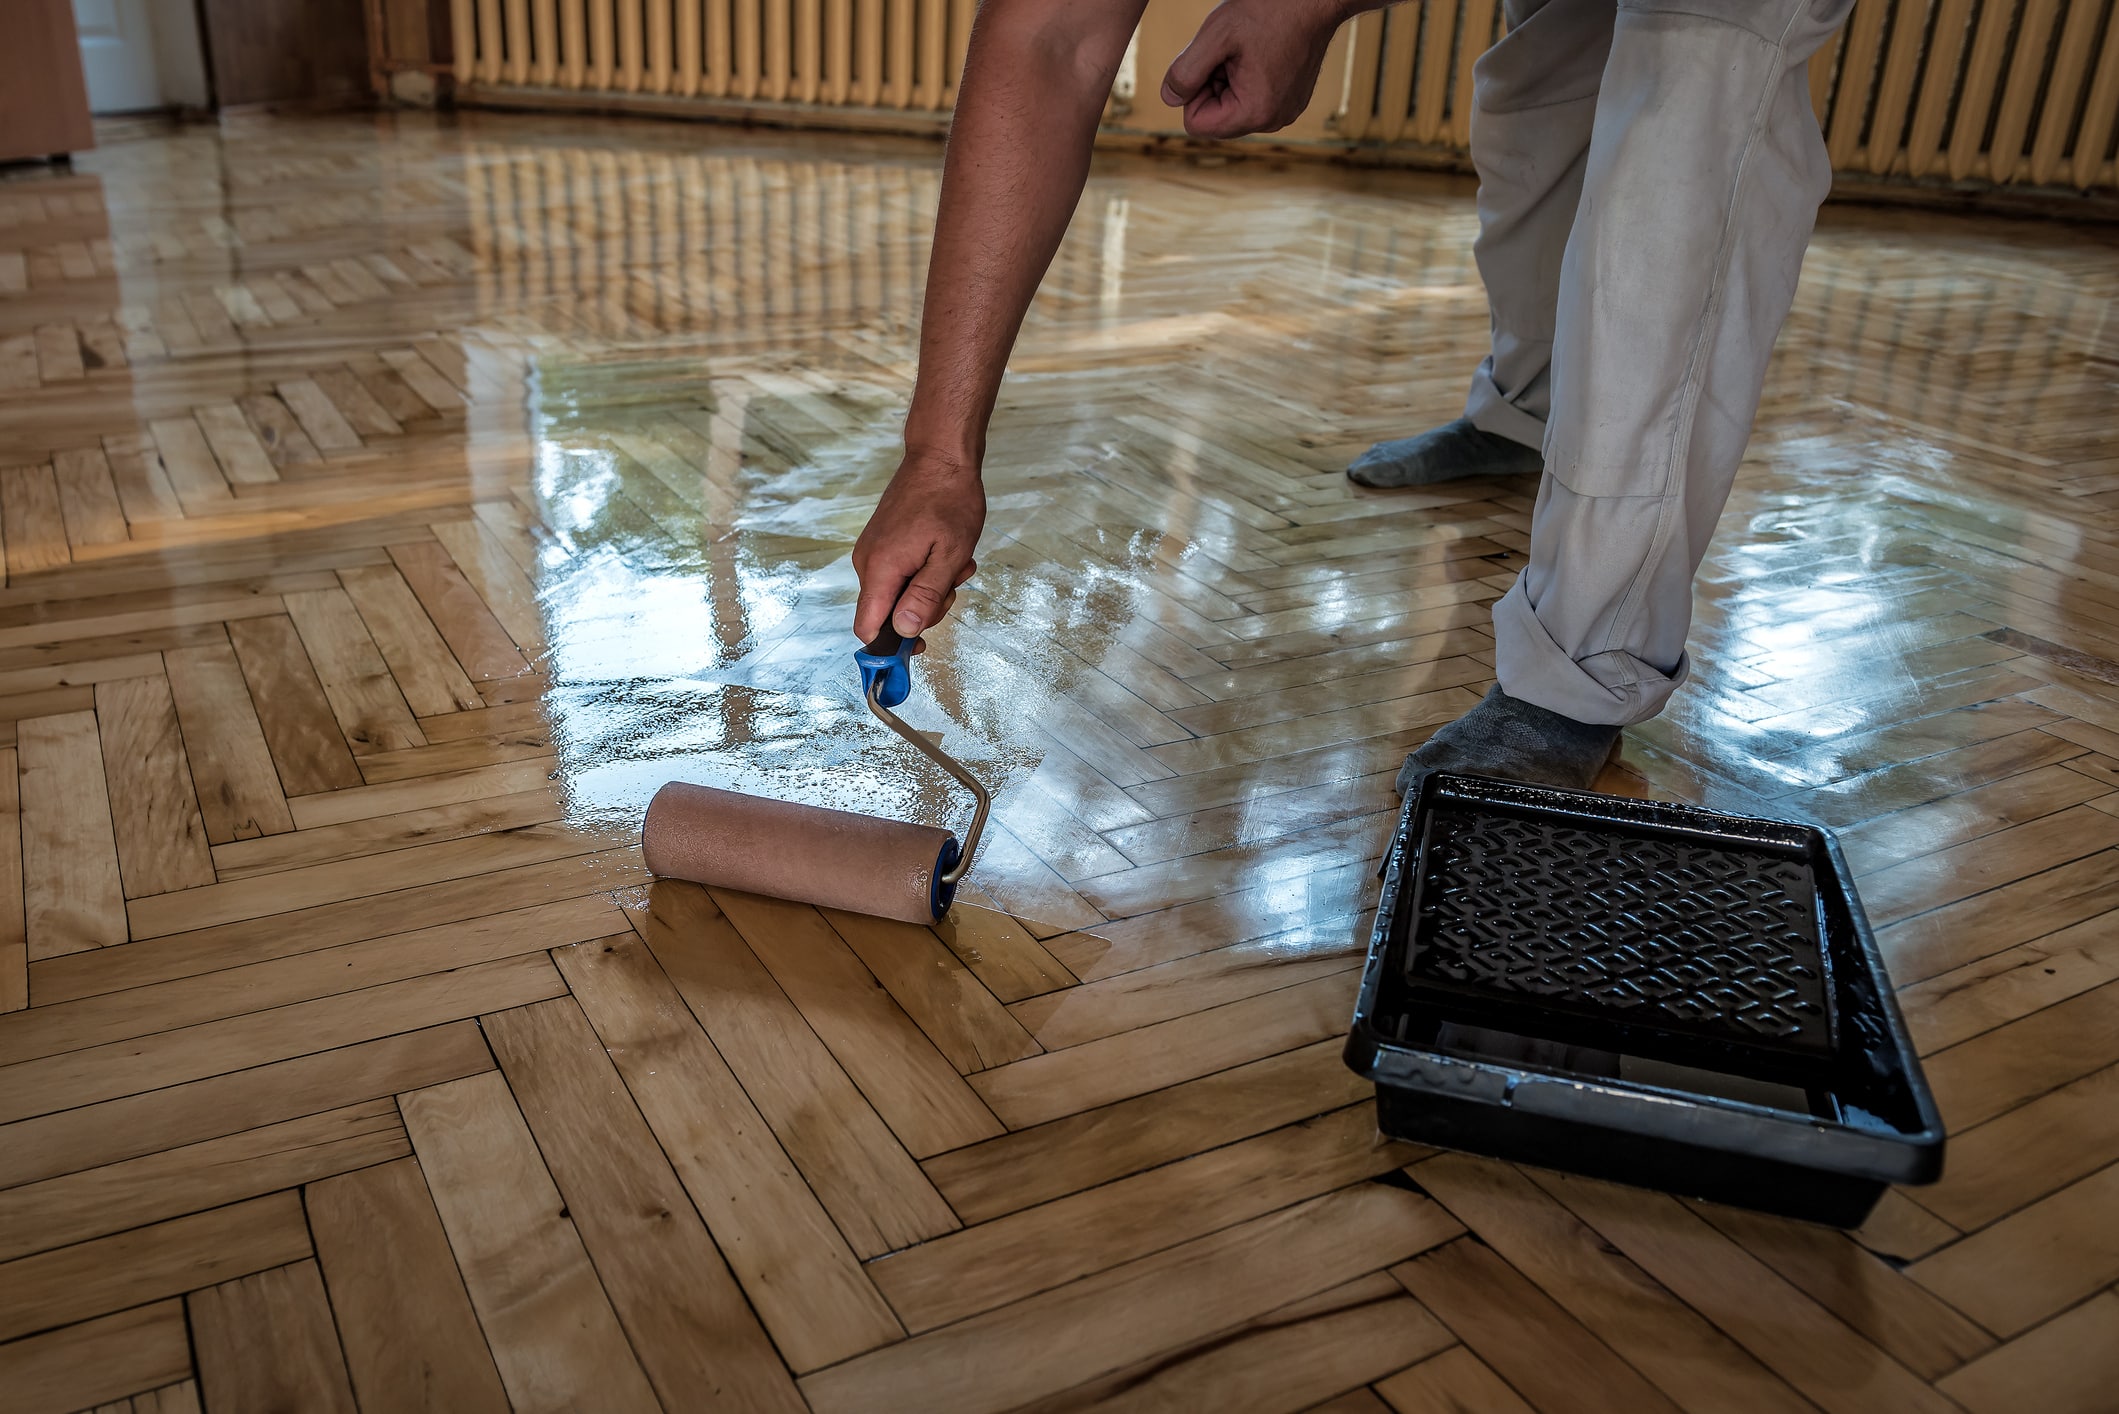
(1193, 655)
(696, 594)
(726, 344)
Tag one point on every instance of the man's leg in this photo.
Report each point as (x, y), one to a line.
(1534, 98)
(1702, 184)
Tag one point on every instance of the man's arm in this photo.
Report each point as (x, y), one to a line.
(1035, 79)
(1036, 76)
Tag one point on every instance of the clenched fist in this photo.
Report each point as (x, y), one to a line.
(1253, 64)
(918, 547)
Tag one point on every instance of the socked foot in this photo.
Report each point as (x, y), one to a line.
(1446, 453)
(1517, 740)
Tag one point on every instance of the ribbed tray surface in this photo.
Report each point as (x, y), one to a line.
(1715, 942)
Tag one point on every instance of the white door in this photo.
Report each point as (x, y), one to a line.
(118, 55)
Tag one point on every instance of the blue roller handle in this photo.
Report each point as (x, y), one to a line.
(888, 657)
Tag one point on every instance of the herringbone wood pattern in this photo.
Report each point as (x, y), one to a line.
(390, 504)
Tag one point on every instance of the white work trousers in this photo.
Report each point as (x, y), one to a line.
(1649, 173)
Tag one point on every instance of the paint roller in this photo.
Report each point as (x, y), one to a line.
(834, 858)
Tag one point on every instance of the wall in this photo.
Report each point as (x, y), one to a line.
(309, 52)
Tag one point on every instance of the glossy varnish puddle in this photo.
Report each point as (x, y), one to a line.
(389, 505)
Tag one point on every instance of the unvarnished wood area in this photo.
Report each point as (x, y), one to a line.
(389, 505)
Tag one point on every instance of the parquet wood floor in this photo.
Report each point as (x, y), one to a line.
(389, 504)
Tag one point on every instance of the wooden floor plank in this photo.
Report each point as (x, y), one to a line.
(1114, 1005)
(903, 1074)
(1903, 1230)
(36, 1217)
(133, 1268)
(794, 1266)
(179, 1398)
(2008, 984)
(2018, 1157)
(130, 626)
(192, 470)
(239, 790)
(1963, 870)
(88, 497)
(464, 753)
(305, 976)
(1925, 1335)
(366, 802)
(354, 402)
(403, 910)
(73, 897)
(1000, 952)
(292, 708)
(945, 1000)
(14, 932)
(687, 1319)
(507, 594)
(145, 492)
(154, 809)
(181, 1115)
(366, 700)
(383, 833)
(403, 1317)
(1014, 1171)
(1782, 1328)
(266, 1342)
(420, 663)
(1522, 1333)
(1129, 1063)
(2066, 1366)
(87, 1365)
(18, 360)
(1232, 918)
(1035, 1249)
(319, 417)
(1196, 878)
(858, 1169)
(1282, 1361)
(244, 459)
(1684, 1356)
(1450, 1383)
(120, 1068)
(31, 519)
(509, 1229)
(480, 644)
(1132, 1311)
(2003, 1068)
(421, 377)
(2035, 1262)
(368, 875)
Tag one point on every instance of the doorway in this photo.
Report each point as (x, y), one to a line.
(140, 55)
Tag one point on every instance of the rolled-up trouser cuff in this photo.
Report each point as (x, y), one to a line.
(1490, 410)
(1614, 688)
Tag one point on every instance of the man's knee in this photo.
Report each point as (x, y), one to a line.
(1550, 57)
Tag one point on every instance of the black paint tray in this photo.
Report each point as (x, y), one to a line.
(1644, 992)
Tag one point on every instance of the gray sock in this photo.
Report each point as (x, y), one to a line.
(1517, 740)
(1446, 453)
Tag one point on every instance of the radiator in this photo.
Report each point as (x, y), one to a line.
(1987, 92)
(621, 244)
(901, 54)
(1999, 91)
